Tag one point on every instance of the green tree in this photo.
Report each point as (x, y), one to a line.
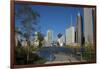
(27, 19)
(40, 38)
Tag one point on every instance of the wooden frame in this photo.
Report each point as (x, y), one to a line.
(12, 48)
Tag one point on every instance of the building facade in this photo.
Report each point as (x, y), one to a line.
(70, 35)
(88, 25)
(78, 32)
(49, 37)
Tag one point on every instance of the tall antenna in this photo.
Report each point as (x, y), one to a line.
(71, 20)
(78, 14)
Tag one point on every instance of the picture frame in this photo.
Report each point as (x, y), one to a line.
(54, 7)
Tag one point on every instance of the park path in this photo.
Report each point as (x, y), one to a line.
(63, 58)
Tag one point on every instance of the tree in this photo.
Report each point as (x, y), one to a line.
(40, 38)
(26, 20)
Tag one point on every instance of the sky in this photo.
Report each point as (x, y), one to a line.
(56, 18)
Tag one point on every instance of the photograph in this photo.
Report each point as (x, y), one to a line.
(53, 33)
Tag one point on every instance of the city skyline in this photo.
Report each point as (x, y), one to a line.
(55, 18)
(48, 34)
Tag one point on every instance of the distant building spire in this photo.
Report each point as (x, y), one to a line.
(78, 14)
(71, 20)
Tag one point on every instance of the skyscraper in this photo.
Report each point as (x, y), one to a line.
(45, 41)
(88, 25)
(79, 34)
(70, 35)
(49, 37)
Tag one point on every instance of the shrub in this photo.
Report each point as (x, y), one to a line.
(21, 56)
(89, 53)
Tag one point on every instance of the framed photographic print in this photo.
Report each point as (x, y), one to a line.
(50, 34)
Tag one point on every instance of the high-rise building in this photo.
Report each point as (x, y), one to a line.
(49, 37)
(70, 35)
(45, 41)
(88, 25)
(78, 32)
